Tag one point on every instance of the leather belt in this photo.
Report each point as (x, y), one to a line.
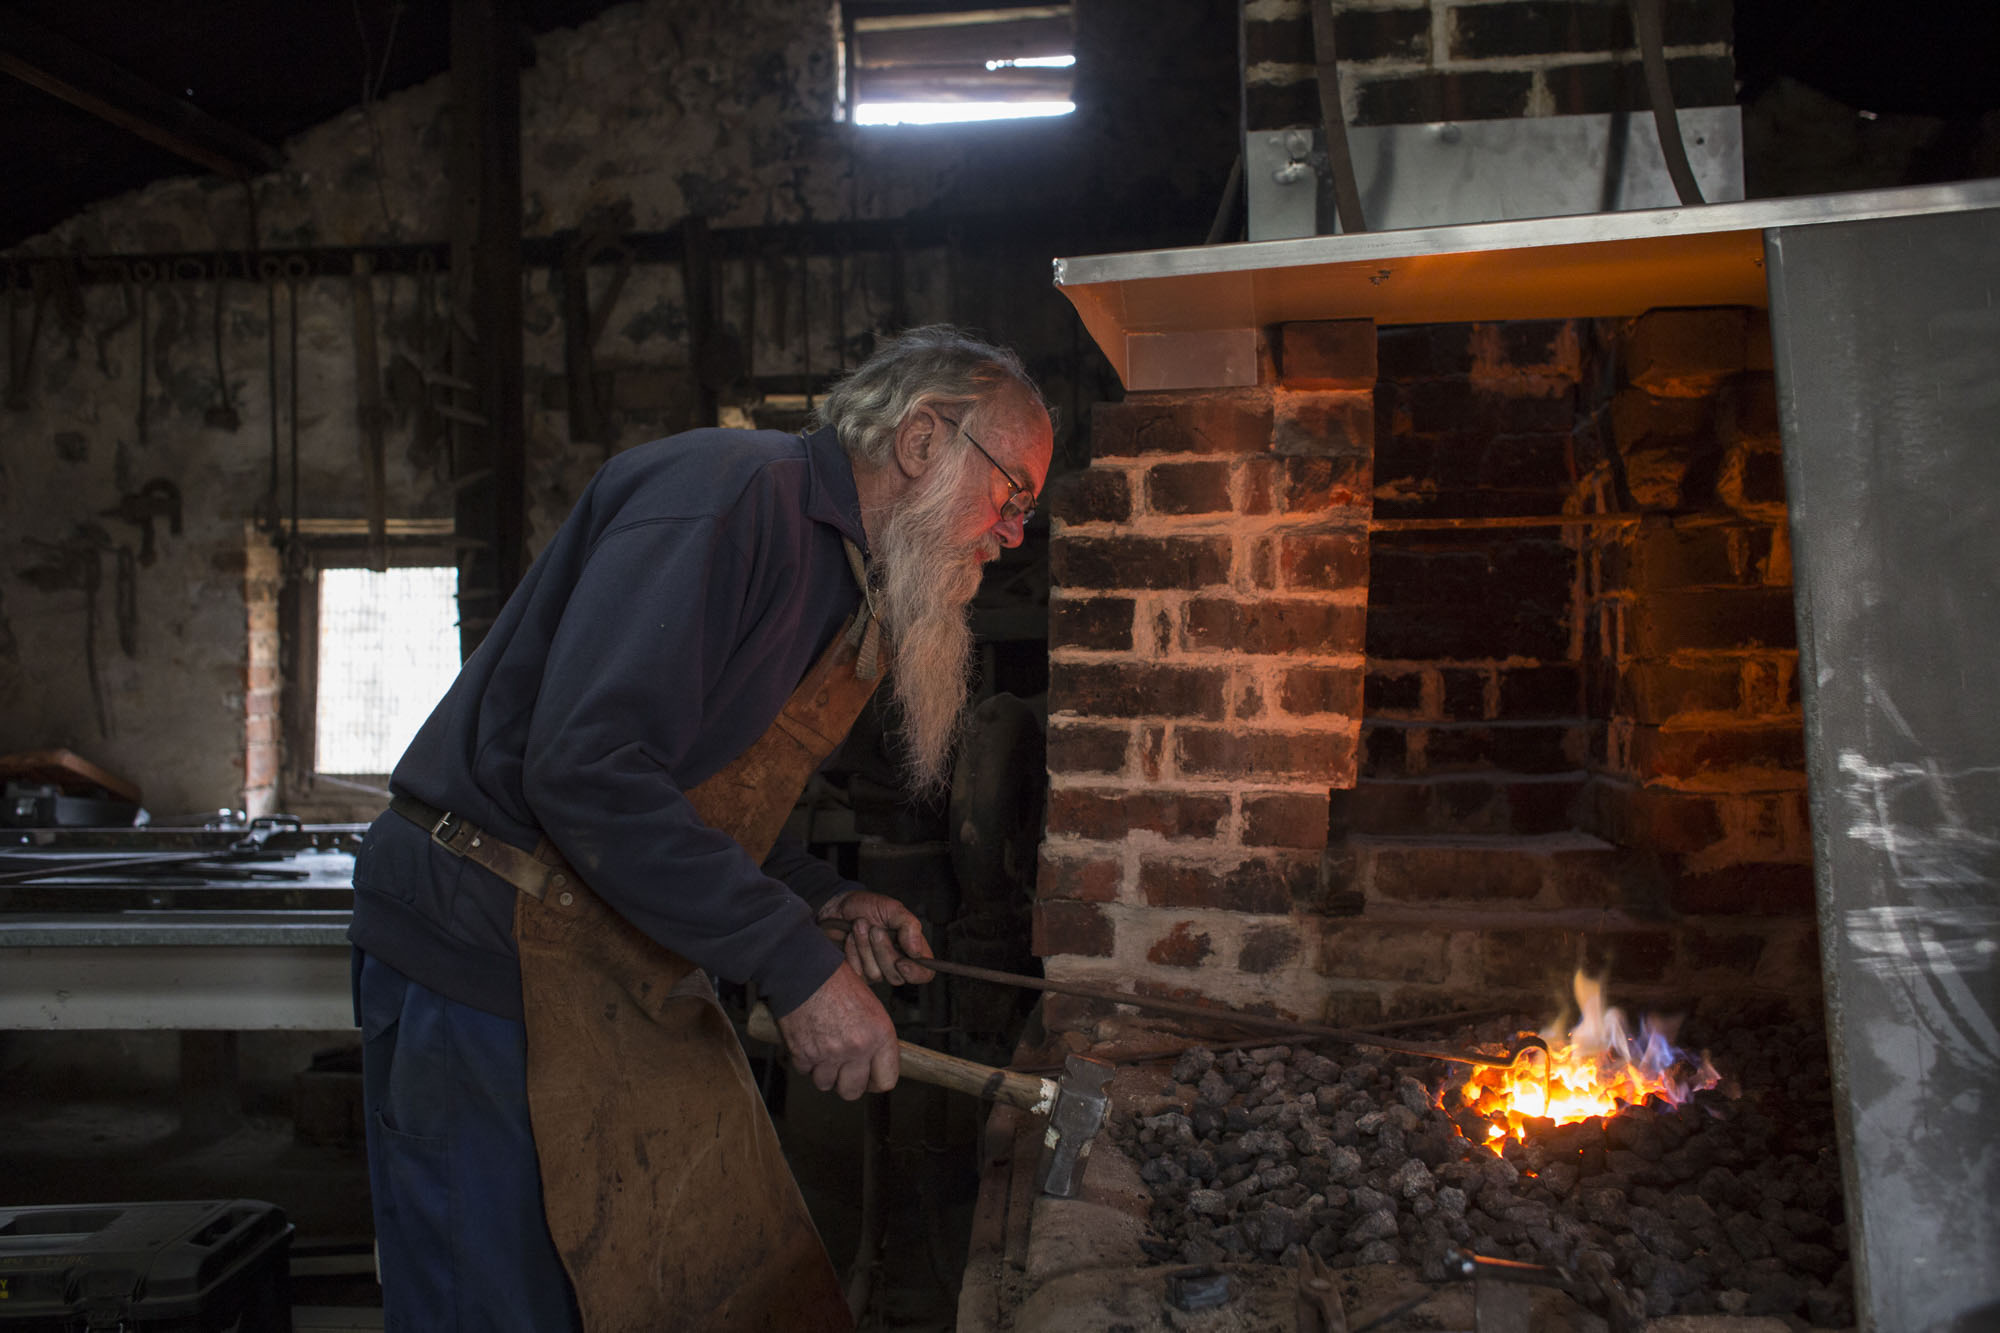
(535, 873)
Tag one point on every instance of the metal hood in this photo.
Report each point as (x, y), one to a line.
(1188, 318)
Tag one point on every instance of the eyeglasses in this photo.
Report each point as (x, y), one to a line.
(1020, 503)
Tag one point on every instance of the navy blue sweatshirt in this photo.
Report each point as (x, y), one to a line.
(655, 638)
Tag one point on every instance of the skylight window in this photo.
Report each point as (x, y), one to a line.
(909, 65)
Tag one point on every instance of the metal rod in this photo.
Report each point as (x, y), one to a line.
(1352, 1036)
(271, 503)
(292, 309)
(1020, 231)
(93, 867)
(1503, 521)
(1459, 1017)
(1333, 115)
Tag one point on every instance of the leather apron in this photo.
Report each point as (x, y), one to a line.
(665, 1188)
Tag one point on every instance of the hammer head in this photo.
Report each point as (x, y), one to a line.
(1080, 1107)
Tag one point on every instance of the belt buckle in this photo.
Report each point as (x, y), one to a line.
(446, 828)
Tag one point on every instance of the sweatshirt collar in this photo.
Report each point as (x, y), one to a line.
(834, 499)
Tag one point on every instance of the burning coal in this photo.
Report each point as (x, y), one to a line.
(1727, 1203)
(1594, 1069)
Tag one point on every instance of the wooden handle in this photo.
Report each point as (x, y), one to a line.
(946, 1071)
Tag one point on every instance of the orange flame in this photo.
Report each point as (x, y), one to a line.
(1600, 1066)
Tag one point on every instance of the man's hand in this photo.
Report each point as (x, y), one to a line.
(842, 1038)
(882, 937)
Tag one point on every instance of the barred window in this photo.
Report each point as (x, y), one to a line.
(388, 650)
(924, 64)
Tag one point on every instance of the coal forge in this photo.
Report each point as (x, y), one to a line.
(1727, 1203)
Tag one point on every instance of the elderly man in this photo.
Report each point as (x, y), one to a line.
(577, 804)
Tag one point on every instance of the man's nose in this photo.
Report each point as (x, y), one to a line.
(1010, 530)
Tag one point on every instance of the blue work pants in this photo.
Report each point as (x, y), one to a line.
(459, 1228)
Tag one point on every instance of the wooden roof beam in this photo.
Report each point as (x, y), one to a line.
(61, 68)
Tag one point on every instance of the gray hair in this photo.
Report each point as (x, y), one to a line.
(935, 363)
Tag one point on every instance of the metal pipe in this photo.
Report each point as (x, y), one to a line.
(1352, 1036)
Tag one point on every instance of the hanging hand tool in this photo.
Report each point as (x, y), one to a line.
(123, 272)
(78, 564)
(222, 415)
(1076, 1104)
(62, 280)
(126, 601)
(369, 412)
(158, 498)
(20, 350)
(296, 270)
(178, 317)
(805, 311)
(145, 275)
(268, 270)
(600, 236)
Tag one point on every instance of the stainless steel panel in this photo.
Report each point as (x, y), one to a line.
(1284, 177)
(1497, 239)
(1488, 170)
(191, 970)
(1887, 339)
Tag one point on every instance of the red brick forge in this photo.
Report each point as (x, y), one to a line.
(1443, 661)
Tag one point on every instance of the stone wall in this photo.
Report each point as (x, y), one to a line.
(1210, 572)
(650, 113)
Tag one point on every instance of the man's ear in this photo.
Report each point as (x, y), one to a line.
(917, 440)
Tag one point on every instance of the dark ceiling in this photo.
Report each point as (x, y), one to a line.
(264, 70)
(267, 68)
(1931, 58)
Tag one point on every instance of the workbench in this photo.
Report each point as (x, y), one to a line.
(191, 930)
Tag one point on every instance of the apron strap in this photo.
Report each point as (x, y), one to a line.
(865, 630)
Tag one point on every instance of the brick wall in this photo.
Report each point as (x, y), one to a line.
(1206, 630)
(1412, 61)
(262, 578)
(1690, 646)
(1581, 736)
(1447, 660)
(1474, 697)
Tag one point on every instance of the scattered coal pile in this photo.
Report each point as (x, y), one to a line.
(1728, 1204)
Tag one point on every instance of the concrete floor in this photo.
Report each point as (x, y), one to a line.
(70, 1139)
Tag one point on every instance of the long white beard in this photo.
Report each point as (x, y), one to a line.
(926, 584)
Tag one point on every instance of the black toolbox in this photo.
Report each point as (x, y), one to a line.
(202, 1266)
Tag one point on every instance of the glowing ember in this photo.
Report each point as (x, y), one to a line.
(1599, 1067)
